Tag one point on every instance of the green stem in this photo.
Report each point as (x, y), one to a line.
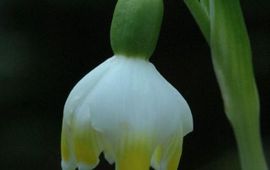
(232, 59)
(250, 147)
(222, 24)
(201, 17)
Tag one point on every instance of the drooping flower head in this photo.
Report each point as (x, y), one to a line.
(125, 109)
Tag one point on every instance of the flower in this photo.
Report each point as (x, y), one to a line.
(127, 110)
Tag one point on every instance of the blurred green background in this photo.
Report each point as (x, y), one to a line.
(46, 46)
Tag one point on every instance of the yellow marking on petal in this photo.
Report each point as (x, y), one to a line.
(85, 145)
(173, 154)
(174, 159)
(134, 155)
(157, 156)
(134, 159)
(167, 155)
(65, 150)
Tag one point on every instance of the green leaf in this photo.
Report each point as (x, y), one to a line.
(206, 5)
(201, 16)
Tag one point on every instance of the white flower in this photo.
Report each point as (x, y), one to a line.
(127, 110)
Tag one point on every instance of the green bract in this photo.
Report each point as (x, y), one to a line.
(135, 27)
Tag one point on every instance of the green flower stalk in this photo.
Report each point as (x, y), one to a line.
(124, 107)
(225, 30)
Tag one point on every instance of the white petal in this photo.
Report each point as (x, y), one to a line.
(134, 97)
(77, 115)
(84, 87)
(131, 106)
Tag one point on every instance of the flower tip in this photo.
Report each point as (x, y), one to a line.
(68, 165)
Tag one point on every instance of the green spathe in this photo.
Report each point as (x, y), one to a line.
(135, 27)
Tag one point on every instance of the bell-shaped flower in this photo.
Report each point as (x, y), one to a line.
(127, 110)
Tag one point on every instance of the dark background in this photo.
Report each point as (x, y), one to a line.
(46, 46)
